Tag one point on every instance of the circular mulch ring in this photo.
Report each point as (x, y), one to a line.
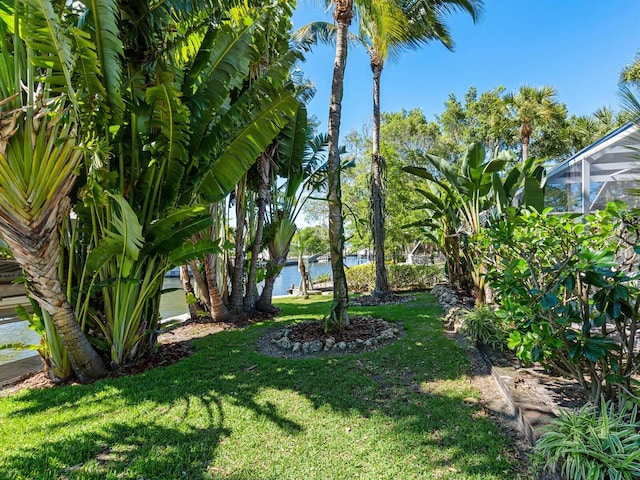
(311, 339)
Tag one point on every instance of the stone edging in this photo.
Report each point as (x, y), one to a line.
(278, 343)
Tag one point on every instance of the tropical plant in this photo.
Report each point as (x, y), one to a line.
(484, 326)
(385, 32)
(530, 106)
(342, 13)
(468, 185)
(561, 285)
(301, 163)
(51, 349)
(169, 113)
(40, 159)
(630, 74)
(593, 443)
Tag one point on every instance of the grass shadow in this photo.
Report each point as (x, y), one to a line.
(398, 411)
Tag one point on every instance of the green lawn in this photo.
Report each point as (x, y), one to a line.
(228, 412)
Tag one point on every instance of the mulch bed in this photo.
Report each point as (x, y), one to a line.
(363, 328)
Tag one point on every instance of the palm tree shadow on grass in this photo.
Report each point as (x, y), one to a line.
(227, 373)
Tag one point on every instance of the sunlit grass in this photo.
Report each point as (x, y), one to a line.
(229, 412)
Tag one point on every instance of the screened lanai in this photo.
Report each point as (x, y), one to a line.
(606, 170)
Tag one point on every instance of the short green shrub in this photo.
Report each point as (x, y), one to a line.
(484, 326)
(362, 278)
(593, 445)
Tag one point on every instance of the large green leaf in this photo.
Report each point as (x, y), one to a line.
(43, 31)
(220, 66)
(170, 119)
(247, 145)
(291, 150)
(102, 17)
(189, 251)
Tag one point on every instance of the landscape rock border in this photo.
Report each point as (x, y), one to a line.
(280, 343)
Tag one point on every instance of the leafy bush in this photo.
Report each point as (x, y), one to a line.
(559, 281)
(588, 444)
(484, 326)
(362, 278)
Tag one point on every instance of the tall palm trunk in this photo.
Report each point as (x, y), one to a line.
(343, 14)
(264, 167)
(382, 288)
(525, 138)
(237, 279)
(37, 251)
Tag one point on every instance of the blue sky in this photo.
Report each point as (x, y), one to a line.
(576, 46)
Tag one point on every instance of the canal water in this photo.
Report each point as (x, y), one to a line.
(172, 304)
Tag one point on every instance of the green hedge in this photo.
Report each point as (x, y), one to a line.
(362, 278)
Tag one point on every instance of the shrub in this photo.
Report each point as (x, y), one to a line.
(362, 278)
(588, 444)
(484, 326)
(572, 303)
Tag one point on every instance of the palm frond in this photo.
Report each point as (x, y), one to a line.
(44, 32)
(170, 119)
(102, 20)
(221, 66)
(247, 144)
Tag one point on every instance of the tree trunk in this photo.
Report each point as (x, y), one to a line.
(382, 288)
(525, 138)
(264, 166)
(304, 277)
(237, 290)
(339, 315)
(38, 253)
(201, 284)
(185, 278)
(219, 311)
(264, 303)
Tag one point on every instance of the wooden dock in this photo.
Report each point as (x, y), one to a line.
(13, 371)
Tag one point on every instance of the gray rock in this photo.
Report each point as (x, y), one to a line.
(359, 342)
(305, 347)
(387, 334)
(351, 345)
(329, 343)
(284, 343)
(296, 347)
(315, 346)
(341, 345)
(367, 342)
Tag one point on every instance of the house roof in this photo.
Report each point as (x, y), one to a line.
(615, 157)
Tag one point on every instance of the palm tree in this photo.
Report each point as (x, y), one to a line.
(40, 156)
(532, 106)
(386, 30)
(342, 14)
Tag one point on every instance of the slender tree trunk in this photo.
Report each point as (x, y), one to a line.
(219, 311)
(264, 167)
(377, 189)
(201, 284)
(304, 277)
(525, 138)
(237, 290)
(264, 303)
(339, 315)
(185, 278)
(39, 256)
